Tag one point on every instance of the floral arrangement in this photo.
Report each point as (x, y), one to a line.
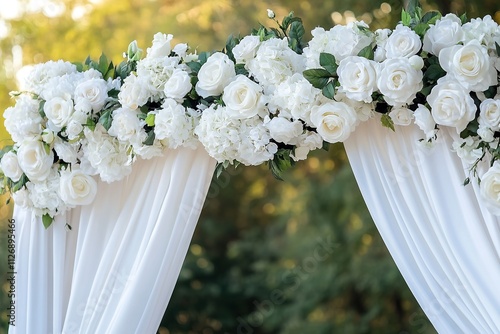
(268, 97)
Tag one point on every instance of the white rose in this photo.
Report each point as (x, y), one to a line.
(399, 81)
(490, 114)
(34, 160)
(77, 188)
(178, 85)
(65, 151)
(74, 129)
(467, 150)
(358, 78)
(214, 75)
(381, 36)
(446, 32)
(401, 116)
(246, 49)
(283, 130)
(470, 65)
(180, 49)
(243, 97)
(22, 198)
(95, 91)
(424, 120)
(486, 134)
(161, 46)
(403, 42)
(451, 104)
(58, 110)
(490, 188)
(334, 121)
(126, 125)
(10, 166)
(47, 136)
(307, 142)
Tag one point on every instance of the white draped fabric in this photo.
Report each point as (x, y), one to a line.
(444, 241)
(115, 271)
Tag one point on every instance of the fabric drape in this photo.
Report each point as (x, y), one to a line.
(115, 270)
(443, 239)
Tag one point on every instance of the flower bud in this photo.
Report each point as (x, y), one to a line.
(270, 14)
(134, 52)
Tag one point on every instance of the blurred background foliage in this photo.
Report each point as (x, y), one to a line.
(300, 256)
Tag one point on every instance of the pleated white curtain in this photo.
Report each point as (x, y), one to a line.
(115, 271)
(443, 239)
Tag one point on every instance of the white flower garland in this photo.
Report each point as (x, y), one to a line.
(268, 98)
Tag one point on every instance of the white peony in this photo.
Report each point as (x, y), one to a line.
(274, 62)
(399, 81)
(451, 104)
(214, 75)
(403, 42)
(490, 114)
(161, 46)
(490, 188)
(77, 188)
(334, 121)
(445, 33)
(94, 92)
(485, 30)
(283, 130)
(126, 125)
(470, 65)
(134, 92)
(246, 49)
(243, 98)
(358, 78)
(34, 159)
(9, 165)
(178, 85)
(401, 116)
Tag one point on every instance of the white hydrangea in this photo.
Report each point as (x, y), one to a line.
(274, 62)
(308, 141)
(340, 41)
(23, 120)
(156, 72)
(485, 30)
(283, 130)
(126, 125)
(42, 73)
(44, 195)
(107, 155)
(229, 139)
(294, 98)
(174, 125)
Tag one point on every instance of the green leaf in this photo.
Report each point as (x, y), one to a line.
(466, 181)
(434, 72)
(103, 64)
(405, 18)
(90, 124)
(497, 48)
(240, 69)
(328, 62)
(231, 42)
(46, 147)
(40, 108)
(413, 9)
(194, 66)
(387, 122)
(464, 18)
(329, 90)
(106, 119)
(150, 139)
(150, 119)
(421, 28)
(202, 58)
(47, 220)
(317, 77)
(491, 92)
(431, 17)
(367, 52)
(296, 34)
(219, 169)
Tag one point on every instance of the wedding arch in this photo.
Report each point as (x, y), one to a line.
(99, 148)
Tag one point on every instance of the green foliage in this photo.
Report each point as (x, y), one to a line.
(281, 163)
(367, 52)
(47, 220)
(328, 62)
(387, 122)
(317, 77)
